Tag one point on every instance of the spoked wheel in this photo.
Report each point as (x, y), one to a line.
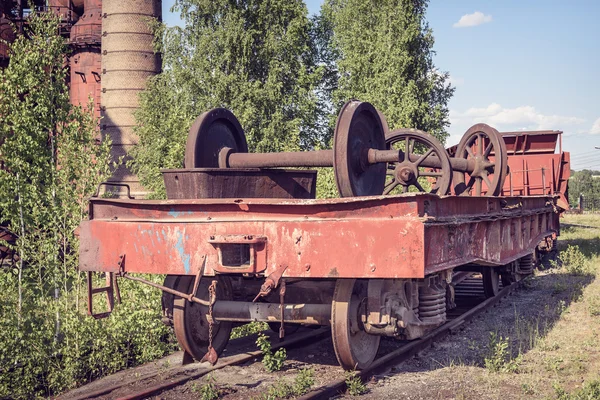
(189, 319)
(484, 148)
(354, 348)
(491, 281)
(419, 151)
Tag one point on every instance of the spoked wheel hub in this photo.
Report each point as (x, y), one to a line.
(354, 348)
(484, 149)
(418, 151)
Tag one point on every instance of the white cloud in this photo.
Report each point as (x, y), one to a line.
(596, 127)
(514, 119)
(477, 18)
(523, 117)
(456, 81)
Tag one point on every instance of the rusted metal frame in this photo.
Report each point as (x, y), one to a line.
(190, 297)
(111, 289)
(504, 215)
(114, 184)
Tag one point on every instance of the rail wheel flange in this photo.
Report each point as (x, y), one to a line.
(354, 348)
(190, 319)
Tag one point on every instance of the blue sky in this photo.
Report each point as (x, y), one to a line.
(518, 65)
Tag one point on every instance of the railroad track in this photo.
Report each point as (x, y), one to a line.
(469, 305)
(405, 352)
(180, 374)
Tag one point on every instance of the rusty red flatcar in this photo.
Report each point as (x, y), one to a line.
(240, 241)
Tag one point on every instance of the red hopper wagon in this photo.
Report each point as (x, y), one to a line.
(240, 240)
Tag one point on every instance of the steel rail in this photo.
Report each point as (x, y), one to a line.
(409, 350)
(241, 358)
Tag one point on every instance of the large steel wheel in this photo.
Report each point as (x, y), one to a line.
(190, 319)
(354, 348)
(417, 147)
(484, 148)
(491, 281)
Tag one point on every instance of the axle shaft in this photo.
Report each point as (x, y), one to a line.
(242, 311)
(324, 158)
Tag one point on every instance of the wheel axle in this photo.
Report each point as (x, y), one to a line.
(362, 154)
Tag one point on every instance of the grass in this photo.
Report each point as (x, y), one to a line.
(284, 389)
(559, 347)
(550, 348)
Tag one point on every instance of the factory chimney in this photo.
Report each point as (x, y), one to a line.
(128, 60)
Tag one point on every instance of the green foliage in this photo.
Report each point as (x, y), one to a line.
(499, 358)
(271, 361)
(589, 391)
(282, 389)
(209, 390)
(51, 164)
(252, 57)
(248, 329)
(303, 381)
(384, 56)
(354, 384)
(583, 183)
(574, 260)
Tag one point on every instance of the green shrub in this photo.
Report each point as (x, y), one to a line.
(574, 260)
(52, 164)
(272, 362)
(354, 384)
(248, 329)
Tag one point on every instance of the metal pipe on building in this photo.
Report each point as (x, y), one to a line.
(85, 60)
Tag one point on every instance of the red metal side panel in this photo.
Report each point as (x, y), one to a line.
(380, 237)
(322, 248)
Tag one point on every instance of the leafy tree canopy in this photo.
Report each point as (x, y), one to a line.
(252, 57)
(383, 54)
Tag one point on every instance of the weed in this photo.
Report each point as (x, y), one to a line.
(498, 353)
(561, 307)
(590, 390)
(527, 389)
(272, 362)
(303, 381)
(208, 391)
(558, 287)
(283, 390)
(248, 329)
(355, 385)
(594, 306)
(554, 364)
(574, 260)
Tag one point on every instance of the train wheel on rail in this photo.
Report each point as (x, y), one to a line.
(168, 299)
(491, 281)
(354, 348)
(190, 319)
(484, 148)
(417, 146)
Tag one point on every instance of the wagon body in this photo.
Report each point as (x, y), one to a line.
(404, 236)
